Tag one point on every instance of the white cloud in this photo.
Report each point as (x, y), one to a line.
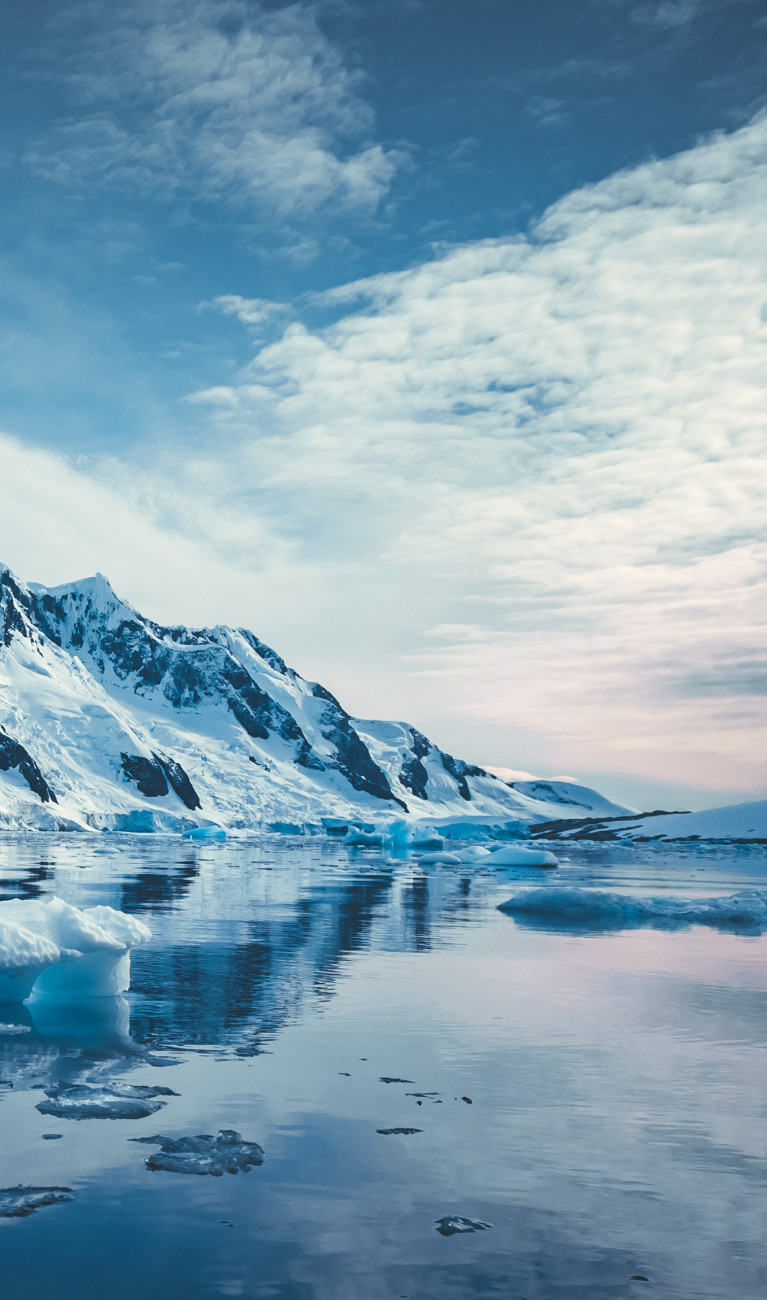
(569, 428)
(516, 494)
(668, 13)
(214, 99)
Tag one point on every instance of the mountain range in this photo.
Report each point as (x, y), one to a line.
(110, 721)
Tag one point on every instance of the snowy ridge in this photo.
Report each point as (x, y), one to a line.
(735, 823)
(111, 721)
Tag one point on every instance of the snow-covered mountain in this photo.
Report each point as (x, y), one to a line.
(108, 720)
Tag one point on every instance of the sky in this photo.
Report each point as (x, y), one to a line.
(426, 338)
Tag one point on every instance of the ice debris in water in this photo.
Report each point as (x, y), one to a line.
(103, 1101)
(453, 1223)
(18, 1202)
(513, 856)
(204, 1154)
(205, 833)
(598, 908)
(49, 948)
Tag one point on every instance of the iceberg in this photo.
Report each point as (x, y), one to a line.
(48, 948)
(597, 909)
(205, 833)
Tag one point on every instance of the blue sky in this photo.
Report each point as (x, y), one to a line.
(426, 338)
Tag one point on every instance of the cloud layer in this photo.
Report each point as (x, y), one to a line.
(566, 431)
(528, 472)
(217, 100)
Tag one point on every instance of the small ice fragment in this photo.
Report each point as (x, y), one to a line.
(441, 858)
(453, 1223)
(512, 856)
(109, 1101)
(406, 1131)
(205, 833)
(18, 1202)
(204, 1154)
(9, 1030)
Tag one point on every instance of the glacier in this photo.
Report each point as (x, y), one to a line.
(48, 948)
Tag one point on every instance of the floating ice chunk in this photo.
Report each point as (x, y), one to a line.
(205, 833)
(18, 1202)
(24, 955)
(48, 947)
(204, 1154)
(453, 1223)
(598, 909)
(511, 855)
(474, 854)
(441, 858)
(363, 839)
(411, 835)
(108, 1101)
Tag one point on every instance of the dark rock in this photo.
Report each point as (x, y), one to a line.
(405, 1131)
(179, 781)
(146, 773)
(12, 754)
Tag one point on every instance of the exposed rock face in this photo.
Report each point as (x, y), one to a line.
(14, 755)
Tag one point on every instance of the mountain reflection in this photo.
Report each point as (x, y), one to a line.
(234, 993)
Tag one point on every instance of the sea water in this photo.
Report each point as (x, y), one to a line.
(594, 1097)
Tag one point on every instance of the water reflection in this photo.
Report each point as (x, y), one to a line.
(597, 1099)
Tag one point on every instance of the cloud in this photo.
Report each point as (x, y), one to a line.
(669, 14)
(515, 494)
(564, 434)
(216, 100)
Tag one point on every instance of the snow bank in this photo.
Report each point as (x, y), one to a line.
(598, 909)
(49, 948)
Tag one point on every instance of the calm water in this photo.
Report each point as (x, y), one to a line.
(616, 1126)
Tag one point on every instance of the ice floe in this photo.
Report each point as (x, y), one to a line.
(204, 1154)
(453, 1223)
(104, 1101)
(512, 855)
(597, 909)
(50, 948)
(18, 1202)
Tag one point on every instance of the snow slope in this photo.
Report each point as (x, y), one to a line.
(111, 721)
(733, 823)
